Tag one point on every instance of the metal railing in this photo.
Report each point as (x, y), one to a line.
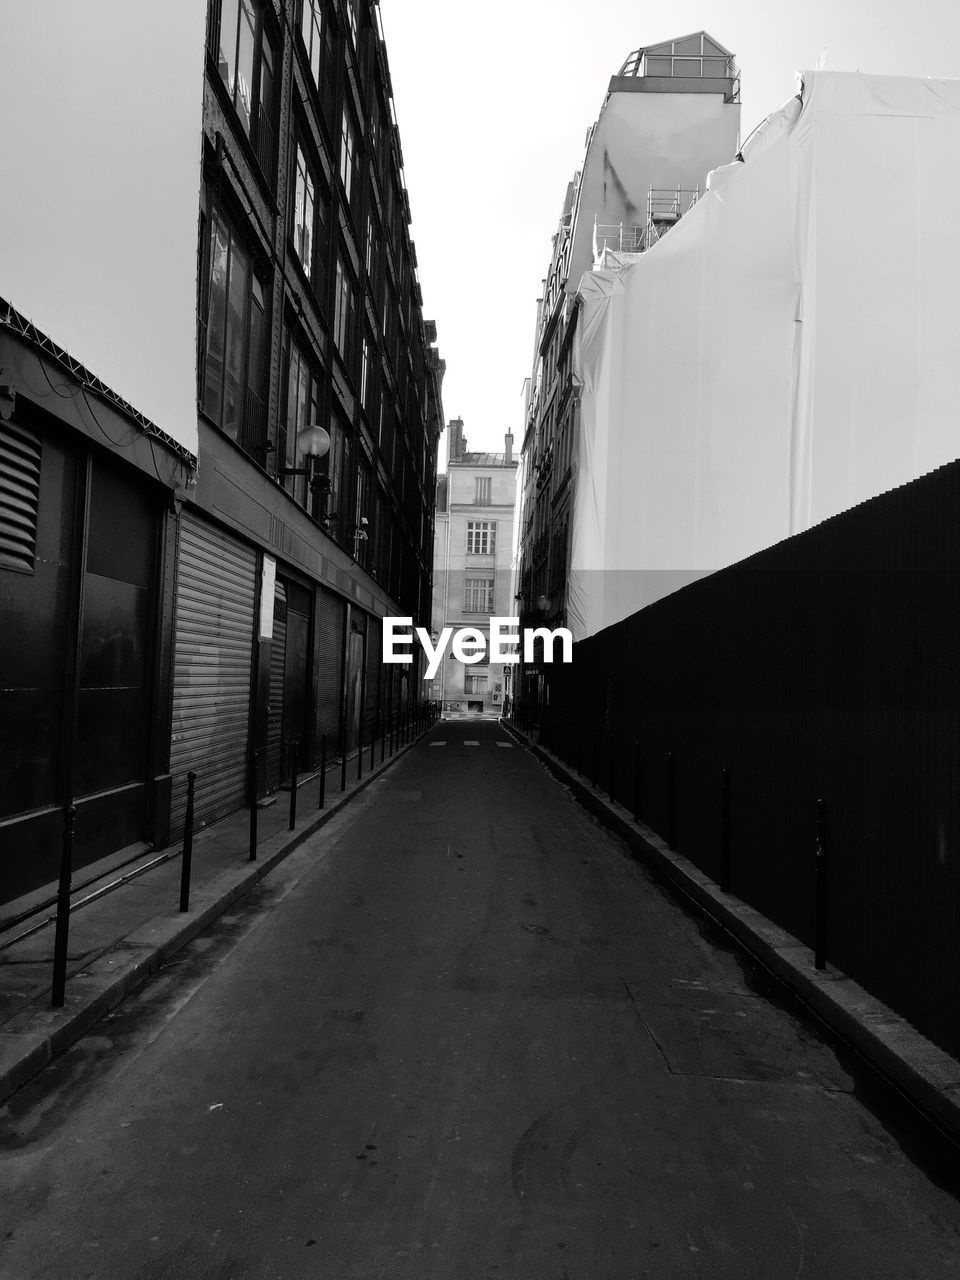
(395, 727)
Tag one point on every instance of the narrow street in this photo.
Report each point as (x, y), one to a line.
(460, 1035)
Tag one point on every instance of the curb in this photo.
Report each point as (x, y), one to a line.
(37, 1035)
(924, 1073)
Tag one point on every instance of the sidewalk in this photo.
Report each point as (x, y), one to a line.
(119, 940)
(924, 1073)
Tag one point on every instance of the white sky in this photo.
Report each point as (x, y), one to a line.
(99, 189)
(494, 101)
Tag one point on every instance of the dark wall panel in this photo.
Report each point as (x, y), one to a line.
(827, 667)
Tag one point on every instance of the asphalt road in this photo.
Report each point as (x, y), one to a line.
(459, 1035)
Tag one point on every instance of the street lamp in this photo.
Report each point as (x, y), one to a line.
(313, 443)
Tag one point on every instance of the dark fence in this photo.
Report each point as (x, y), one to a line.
(825, 668)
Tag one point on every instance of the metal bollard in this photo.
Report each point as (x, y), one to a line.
(373, 738)
(360, 751)
(820, 905)
(613, 767)
(343, 758)
(671, 801)
(323, 771)
(383, 737)
(254, 811)
(294, 761)
(724, 830)
(186, 860)
(637, 780)
(59, 986)
(593, 757)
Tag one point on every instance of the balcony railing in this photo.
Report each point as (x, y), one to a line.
(665, 207)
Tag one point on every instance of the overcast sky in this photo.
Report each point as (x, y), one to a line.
(494, 101)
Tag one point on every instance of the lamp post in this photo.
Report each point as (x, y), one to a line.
(313, 443)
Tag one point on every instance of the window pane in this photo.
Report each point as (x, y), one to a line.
(255, 413)
(716, 67)
(216, 323)
(686, 67)
(227, 56)
(265, 113)
(293, 383)
(233, 379)
(657, 67)
(243, 96)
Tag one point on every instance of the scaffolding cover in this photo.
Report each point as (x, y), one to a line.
(102, 104)
(787, 350)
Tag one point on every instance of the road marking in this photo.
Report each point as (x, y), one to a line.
(437, 744)
(471, 742)
(508, 745)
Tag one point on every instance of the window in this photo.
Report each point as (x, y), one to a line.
(364, 371)
(246, 60)
(311, 30)
(352, 18)
(309, 229)
(484, 485)
(348, 152)
(363, 513)
(478, 595)
(305, 202)
(474, 681)
(303, 410)
(369, 251)
(344, 308)
(235, 350)
(338, 471)
(481, 537)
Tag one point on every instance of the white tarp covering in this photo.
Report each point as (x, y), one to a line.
(100, 130)
(790, 348)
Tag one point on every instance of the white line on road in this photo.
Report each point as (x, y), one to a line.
(438, 744)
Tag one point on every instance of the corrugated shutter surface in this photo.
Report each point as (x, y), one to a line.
(216, 599)
(330, 624)
(374, 674)
(278, 653)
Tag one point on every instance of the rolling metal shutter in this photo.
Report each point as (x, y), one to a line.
(276, 765)
(330, 624)
(374, 675)
(216, 599)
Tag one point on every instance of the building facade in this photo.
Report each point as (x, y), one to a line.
(222, 603)
(671, 114)
(473, 568)
(310, 316)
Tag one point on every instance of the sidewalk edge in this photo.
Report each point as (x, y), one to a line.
(66, 1026)
(927, 1075)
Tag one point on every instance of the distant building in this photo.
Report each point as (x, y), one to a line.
(472, 566)
(671, 114)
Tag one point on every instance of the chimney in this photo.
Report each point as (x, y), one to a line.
(508, 454)
(458, 441)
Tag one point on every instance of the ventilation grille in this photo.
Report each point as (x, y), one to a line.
(19, 496)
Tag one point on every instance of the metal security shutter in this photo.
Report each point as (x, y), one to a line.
(216, 598)
(330, 624)
(374, 674)
(276, 766)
